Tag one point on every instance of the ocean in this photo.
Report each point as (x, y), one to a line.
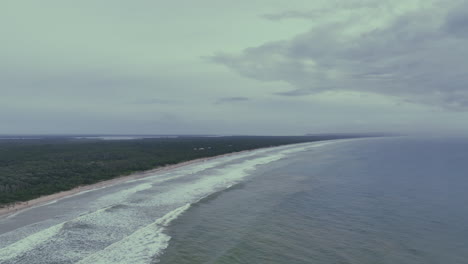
(376, 200)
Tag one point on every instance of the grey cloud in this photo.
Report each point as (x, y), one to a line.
(318, 12)
(297, 92)
(84, 80)
(153, 101)
(292, 14)
(456, 22)
(78, 86)
(231, 99)
(413, 58)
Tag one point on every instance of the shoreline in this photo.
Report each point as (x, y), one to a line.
(43, 200)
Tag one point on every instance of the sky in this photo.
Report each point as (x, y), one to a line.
(263, 67)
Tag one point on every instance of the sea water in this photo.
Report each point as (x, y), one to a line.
(390, 200)
(379, 200)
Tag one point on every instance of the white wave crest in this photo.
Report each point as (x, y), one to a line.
(24, 245)
(115, 229)
(139, 247)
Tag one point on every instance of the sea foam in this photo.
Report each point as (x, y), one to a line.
(120, 226)
(139, 247)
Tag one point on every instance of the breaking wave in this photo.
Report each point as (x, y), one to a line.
(120, 227)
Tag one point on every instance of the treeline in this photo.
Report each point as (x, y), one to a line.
(32, 168)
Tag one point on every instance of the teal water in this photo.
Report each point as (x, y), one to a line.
(397, 200)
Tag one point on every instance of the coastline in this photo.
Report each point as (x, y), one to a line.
(43, 200)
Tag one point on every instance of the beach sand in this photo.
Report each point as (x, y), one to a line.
(20, 206)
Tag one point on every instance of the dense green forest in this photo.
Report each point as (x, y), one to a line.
(35, 167)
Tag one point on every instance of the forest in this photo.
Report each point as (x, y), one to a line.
(36, 167)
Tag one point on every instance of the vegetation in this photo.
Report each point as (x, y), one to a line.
(32, 168)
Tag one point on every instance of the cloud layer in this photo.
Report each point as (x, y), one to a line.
(282, 67)
(418, 56)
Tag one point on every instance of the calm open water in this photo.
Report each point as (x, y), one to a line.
(393, 200)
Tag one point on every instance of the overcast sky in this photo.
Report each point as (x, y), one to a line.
(233, 67)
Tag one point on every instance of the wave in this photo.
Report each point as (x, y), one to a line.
(149, 242)
(26, 244)
(141, 246)
(109, 228)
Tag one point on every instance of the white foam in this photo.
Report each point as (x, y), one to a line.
(29, 243)
(146, 243)
(34, 240)
(122, 195)
(139, 247)
(115, 228)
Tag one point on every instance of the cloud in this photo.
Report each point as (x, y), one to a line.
(292, 14)
(105, 69)
(153, 101)
(342, 7)
(231, 99)
(456, 22)
(418, 56)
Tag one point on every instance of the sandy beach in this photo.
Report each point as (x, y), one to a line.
(20, 206)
